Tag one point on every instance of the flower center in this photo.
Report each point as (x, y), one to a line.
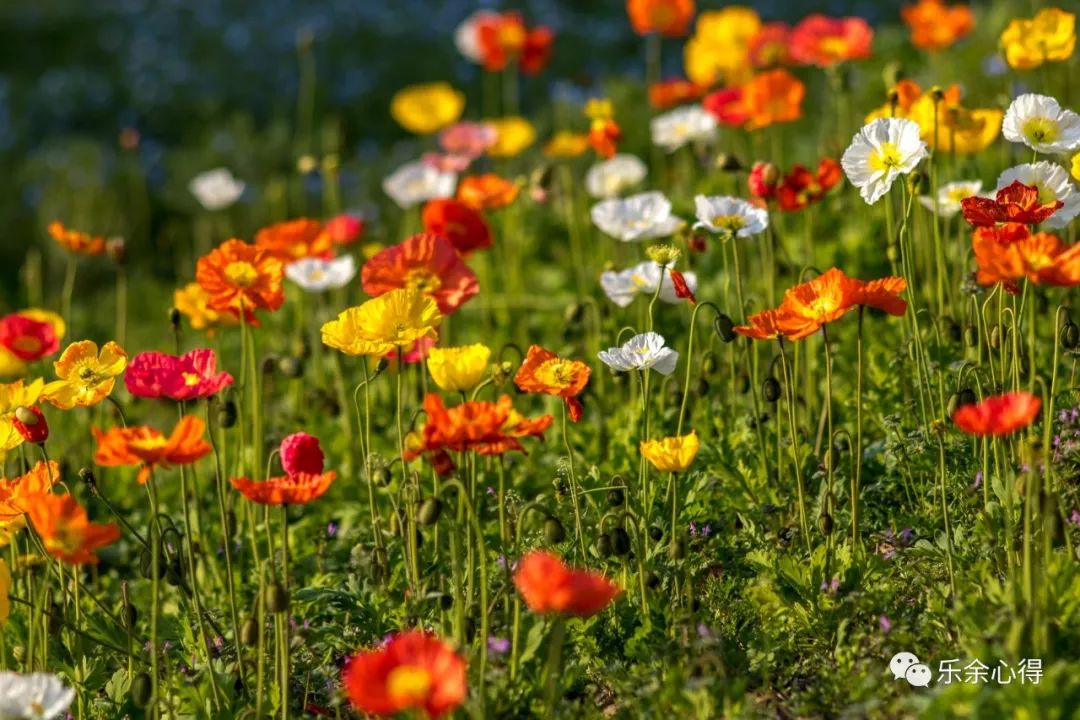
(885, 158)
(1041, 130)
(408, 685)
(732, 223)
(822, 306)
(191, 379)
(422, 280)
(241, 274)
(556, 373)
(834, 46)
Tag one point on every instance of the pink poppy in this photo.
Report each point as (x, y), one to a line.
(190, 376)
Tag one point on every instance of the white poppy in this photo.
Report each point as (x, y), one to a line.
(37, 696)
(317, 275)
(723, 214)
(644, 216)
(1042, 124)
(417, 182)
(609, 178)
(216, 189)
(466, 38)
(688, 124)
(879, 153)
(1053, 183)
(949, 196)
(641, 352)
(622, 286)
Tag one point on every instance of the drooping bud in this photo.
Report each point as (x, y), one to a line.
(30, 423)
(763, 179)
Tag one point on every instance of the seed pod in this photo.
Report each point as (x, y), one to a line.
(430, 511)
(724, 327)
(620, 541)
(146, 564)
(382, 476)
(554, 531)
(603, 545)
(249, 632)
(142, 688)
(226, 414)
(677, 549)
(656, 533)
(616, 497)
(87, 476)
(277, 598)
(825, 524)
(1070, 335)
(770, 389)
(971, 336)
(995, 337)
(291, 366)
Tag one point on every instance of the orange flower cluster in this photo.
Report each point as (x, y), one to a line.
(240, 278)
(150, 448)
(935, 25)
(770, 97)
(76, 241)
(548, 586)
(998, 414)
(545, 372)
(1009, 253)
(809, 306)
(294, 240)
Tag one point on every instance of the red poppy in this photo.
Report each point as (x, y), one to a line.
(728, 106)
(193, 375)
(344, 229)
(301, 453)
(763, 326)
(1015, 203)
(1009, 253)
(550, 587)
(503, 38)
(770, 45)
(764, 179)
(825, 41)
(801, 187)
(423, 262)
(670, 93)
(150, 448)
(682, 290)
(463, 226)
(998, 414)
(30, 422)
(28, 338)
(413, 670)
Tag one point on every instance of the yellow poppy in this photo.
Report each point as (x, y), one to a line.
(1050, 36)
(428, 108)
(86, 376)
(671, 454)
(458, 369)
(566, 144)
(971, 130)
(719, 49)
(393, 320)
(512, 135)
(193, 303)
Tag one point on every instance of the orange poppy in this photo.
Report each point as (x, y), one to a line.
(935, 25)
(76, 241)
(774, 96)
(463, 226)
(670, 18)
(545, 372)
(487, 192)
(998, 414)
(503, 38)
(763, 326)
(412, 670)
(424, 262)
(548, 586)
(66, 531)
(150, 448)
(769, 47)
(604, 135)
(670, 93)
(294, 240)
(809, 306)
(237, 276)
(1040, 258)
(825, 41)
(1015, 203)
(487, 428)
(287, 489)
(16, 492)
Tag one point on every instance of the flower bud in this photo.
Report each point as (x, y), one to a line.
(603, 545)
(724, 327)
(825, 524)
(30, 423)
(554, 532)
(916, 182)
(1070, 335)
(656, 533)
(616, 497)
(115, 249)
(429, 512)
(727, 162)
(620, 541)
(249, 632)
(86, 474)
(291, 366)
(971, 336)
(174, 319)
(995, 337)
(763, 179)
(770, 389)
(277, 598)
(142, 689)
(226, 414)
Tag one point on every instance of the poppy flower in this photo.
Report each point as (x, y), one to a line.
(998, 414)
(193, 375)
(1015, 203)
(802, 187)
(301, 453)
(670, 18)
(687, 125)
(512, 135)
(316, 275)
(1050, 36)
(297, 489)
(487, 192)
(719, 49)
(682, 285)
(150, 448)
(428, 108)
(36, 695)
(75, 241)
(770, 45)
(1040, 122)
(426, 263)
(644, 216)
(455, 221)
(17, 494)
(609, 178)
(345, 228)
(667, 94)
(622, 286)
(30, 422)
(86, 375)
(550, 587)
(66, 530)
(30, 335)
(394, 320)
(294, 240)
(458, 369)
(216, 189)
(467, 139)
(604, 132)
(496, 40)
(883, 150)
(671, 454)
(728, 105)
(729, 216)
(646, 351)
(237, 276)
(772, 97)
(1053, 183)
(809, 306)
(825, 41)
(1009, 253)
(14, 395)
(935, 25)
(193, 302)
(944, 123)
(416, 182)
(950, 196)
(412, 670)
(545, 372)
(764, 325)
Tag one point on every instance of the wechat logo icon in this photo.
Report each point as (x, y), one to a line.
(907, 666)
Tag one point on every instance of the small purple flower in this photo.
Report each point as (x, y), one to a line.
(703, 631)
(501, 562)
(219, 642)
(331, 529)
(1075, 518)
(693, 529)
(706, 530)
(832, 586)
(885, 624)
(489, 490)
(978, 480)
(907, 535)
(498, 645)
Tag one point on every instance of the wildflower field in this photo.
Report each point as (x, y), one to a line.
(657, 359)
